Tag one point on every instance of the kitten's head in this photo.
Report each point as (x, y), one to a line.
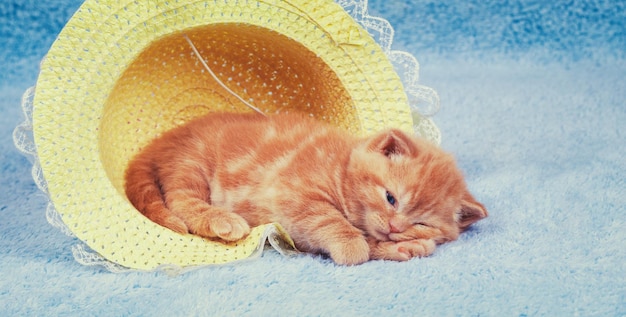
(400, 187)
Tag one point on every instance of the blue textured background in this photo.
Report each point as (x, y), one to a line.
(567, 29)
(534, 108)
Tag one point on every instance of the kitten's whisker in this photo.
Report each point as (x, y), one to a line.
(206, 66)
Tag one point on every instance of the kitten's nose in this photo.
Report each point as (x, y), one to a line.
(393, 228)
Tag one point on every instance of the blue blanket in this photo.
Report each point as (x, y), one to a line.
(533, 107)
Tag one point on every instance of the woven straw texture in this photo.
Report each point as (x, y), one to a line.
(120, 73)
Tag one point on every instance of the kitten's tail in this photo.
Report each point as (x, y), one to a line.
(144, 192)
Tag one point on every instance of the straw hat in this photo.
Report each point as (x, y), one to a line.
(122, 72)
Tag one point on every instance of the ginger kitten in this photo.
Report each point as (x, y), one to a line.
(390, 196)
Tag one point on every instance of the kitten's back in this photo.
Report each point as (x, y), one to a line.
(226, 151)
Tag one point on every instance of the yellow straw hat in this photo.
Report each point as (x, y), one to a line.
(122, 72)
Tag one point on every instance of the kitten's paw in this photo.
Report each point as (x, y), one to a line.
(230, 227)
(224, 225)
(356, 251)
(403, 250)
(417, 248)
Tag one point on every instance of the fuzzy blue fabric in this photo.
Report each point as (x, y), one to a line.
(534, 108)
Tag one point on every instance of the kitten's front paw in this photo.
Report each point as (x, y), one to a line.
(355, 251)
(402, 250)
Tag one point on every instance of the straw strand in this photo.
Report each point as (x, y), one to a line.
(206, 66)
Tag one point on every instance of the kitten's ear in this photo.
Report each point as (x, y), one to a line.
(471, 211)
(392, 142)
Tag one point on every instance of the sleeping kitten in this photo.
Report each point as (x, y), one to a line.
(390, 196)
